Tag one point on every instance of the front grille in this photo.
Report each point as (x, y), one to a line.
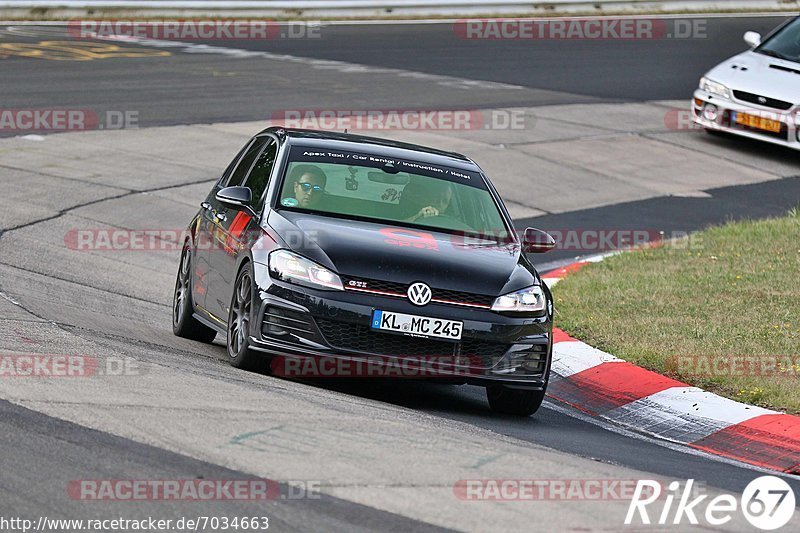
(767, 102)
(399, 289)
(376, 285)
(463, 297)
(356, 338)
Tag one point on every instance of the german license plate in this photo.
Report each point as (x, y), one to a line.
(757, 122)
(417, 326)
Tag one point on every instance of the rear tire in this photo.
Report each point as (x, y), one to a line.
(238, 344)
(183, 323)
(514, 401)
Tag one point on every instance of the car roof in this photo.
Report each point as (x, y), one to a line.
(373, 145)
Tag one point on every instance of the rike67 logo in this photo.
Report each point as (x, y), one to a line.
(767, 503)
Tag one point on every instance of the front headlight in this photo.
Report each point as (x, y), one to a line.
(528, 300)
(713, 87)
(289, 266)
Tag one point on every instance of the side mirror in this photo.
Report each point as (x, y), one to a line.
(536, 241)
(752, 38)
(235, 196)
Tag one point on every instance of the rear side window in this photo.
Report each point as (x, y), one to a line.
(259, 177)
(232, 165)
(239, 173)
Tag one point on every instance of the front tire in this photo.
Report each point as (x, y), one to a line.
(514, 401)
(238, 344)
(183, 323)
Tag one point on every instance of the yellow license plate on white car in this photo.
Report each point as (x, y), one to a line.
(757, 122)
(417, 326)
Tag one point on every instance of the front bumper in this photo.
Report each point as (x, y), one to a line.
(298, 323)
(726, 109)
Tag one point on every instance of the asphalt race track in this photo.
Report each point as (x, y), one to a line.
(385, 454)
(201, 88)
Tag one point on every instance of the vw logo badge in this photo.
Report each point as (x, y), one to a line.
(419, 294)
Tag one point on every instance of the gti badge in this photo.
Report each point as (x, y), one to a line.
(419, 294)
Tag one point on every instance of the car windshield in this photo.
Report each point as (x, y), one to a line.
(785, 44)
(389, 189)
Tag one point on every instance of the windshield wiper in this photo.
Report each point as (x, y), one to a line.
(773, 53)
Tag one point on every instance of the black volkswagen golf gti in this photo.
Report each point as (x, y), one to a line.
(324, 246)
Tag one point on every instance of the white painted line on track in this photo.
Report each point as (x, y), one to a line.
(670, 445)
(571, 357)
(696, 402)
(344, 67)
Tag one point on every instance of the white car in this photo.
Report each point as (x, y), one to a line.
(756, 94)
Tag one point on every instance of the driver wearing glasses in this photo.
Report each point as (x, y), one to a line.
(309, 185)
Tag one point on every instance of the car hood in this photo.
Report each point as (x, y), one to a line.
(392, 253)
(755, 73)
